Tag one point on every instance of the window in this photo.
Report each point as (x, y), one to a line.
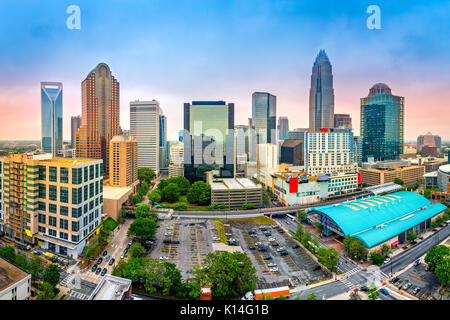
(91, 190)
(75, 226)
(42, 206)
(97, 170)
(77, 175)
(85, 174)
(96, 213)
(91, 172)
(63, 210)
(52, 174)
(42, 191)
(64, 194)
(52, 208)
(41, 229)
(52, 232)
(101, 169)
(91, 205)
(75, 238)
(91, 217)
(85, 209)
(85, 220)
(52, 193)
(96, 187)
(64, 236)
(41, 218)
(64, 175)
(52, 221)
(43, 173)
(77, 212)
(77, 195)
(64, 224)
(85, 192)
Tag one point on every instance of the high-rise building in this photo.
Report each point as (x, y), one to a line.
(51, 117)
(264, 114)
(144, 127)
(297, 134)
(342, 121)
(75, 123)
(382, 124)
(55, 203)
(429, 140)
(329, 151)
(358, 149)
(321, 94)
(100, 115)
(123, 169)
(242, 137)
(283, 128)
(292, 152)
(176, 165)
(162, 141)
(208, 139)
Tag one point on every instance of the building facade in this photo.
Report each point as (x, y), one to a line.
(342, 121)
(429, 140)
(144, 127)
(123, 169)
(56, 203)
(321, 94)
(264, 114)
(233, 193)
(387, 171)
(51, 117)
(176, 165)
(100, 115)
(292, 152)
(283, 128)
(75, 123)
(163, 158)
(382, 124)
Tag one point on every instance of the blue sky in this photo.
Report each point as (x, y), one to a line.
(178, 51)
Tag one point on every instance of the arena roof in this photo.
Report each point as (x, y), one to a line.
(376, 219)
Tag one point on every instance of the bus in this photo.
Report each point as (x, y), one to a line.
(292, 218)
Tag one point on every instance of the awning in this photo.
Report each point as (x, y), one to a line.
(394, 243)
(48, 254)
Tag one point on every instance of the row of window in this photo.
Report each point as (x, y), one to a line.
(79, 175)
(78, 194)
(64, 210)
(64, 223)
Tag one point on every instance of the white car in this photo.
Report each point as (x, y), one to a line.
(253, 235)
(169, 228)
(387, 260)
(271, 264)
(272, 239)
(258, 243)
(122, 256)
(216, 238)
(228, 234)
(280, 249)
(164, 258)
(274, 269)
(167, 234)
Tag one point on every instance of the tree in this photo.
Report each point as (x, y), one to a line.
(21, 261)
(329, 257)
(190, 290)
(142, 228)
(174, 275)
(436, 256)
(248, 206)
(183, 184)
(200, 193)
(319, 228)
(266, 199)
(146, 174)
(442, 271)
(142, 211)
(136, 250)
(373, 292)
(306, 238)
(36, 267)
(46, 292)
(355, 248)
(231, 275)
(301, 215)
(171, 192)
(376, 258)
(399, 181)
(8, 253)
(155, 196)
(385, 249)
(411, 236)
(51, 275)
(299, 232)
(311, 296)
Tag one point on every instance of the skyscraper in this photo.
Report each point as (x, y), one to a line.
(145, 128)
(163, 141)
(321, 94)
(123, 161)
(283, 128)
(100, 115)
(264, 115)
(75, 123)
(342, 121)
(51, 117)
(382, 119)
(208, 139)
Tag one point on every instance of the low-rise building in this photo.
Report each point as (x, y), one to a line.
(15, 283)
(382, 172)
(112, 288)
(233, 193)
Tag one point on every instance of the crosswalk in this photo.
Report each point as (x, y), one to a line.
(374, 274)
(77, 295)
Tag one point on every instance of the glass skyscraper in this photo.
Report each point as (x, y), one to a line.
(51, 117)
(264, 121)
(382, 119)
(283, 128)
(321, 94)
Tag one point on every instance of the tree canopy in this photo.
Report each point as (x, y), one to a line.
(171, 192)
(8, 253)
(155, 196)
(52, 275)
(355, 248)
(146, 174)
(142, 228)
(200, 193)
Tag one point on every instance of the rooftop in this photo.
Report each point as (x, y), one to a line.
(10, 274)
(445, 168)
(234, 184)
(115, 192)
(111, 288)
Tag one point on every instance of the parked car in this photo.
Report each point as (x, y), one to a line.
(98, 270)
(164, 258)
(100, 260)
(416, 263)
(364, 288)
(271, 264)
(387, 260)
(262, 228)
(283, 253)
(267, 258)
(280, 230)
(295, 246)
(251, 248)
(271, 239)
(94, 267)
(130, 243)
(104, 271)
(228, 234)
(168, 234)
(406, 286)
(167, 241)
(105, 253)
(275, 244)
(280, 249)
(416, 290)
(152, 239)
(274, 269)
(384, 291)
(267, 233)
(122, 256)
(394, 280)
(107, 258)
(176, 242)
(111, 262)
(316, 268)
(258, 243)
(216, 238)
(261, 248)
(253, 235)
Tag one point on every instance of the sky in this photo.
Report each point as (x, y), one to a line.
(177, 51)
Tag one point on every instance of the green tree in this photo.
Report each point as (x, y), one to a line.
(155, 196)
(399, 181)
(171, 193)
(355, 248)
(200, 193)
(146, 174)
(143, 211)
(311, 296)
(51, 275)
(373, 292)
(442, 271)
(248, 206)
(142, 228)
(306, 238)
(231, 275)
(46, 292)
(36, 267)
(301, 215)
(376, 258)
(22, 261)
(266, 199)
(319, 228)
(8, 253)
(385, 249)
(183, 184)
(190, 290)
(436, 256)
(118, 269)
(136, 250)
(299, 232)
(411, 236)
(174, 275)
(329, 257)
(121, 216)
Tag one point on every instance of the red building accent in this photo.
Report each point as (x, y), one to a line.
(293, 185)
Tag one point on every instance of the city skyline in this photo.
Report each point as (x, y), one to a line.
(180, 75)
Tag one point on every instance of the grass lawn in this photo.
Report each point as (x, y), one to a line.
(254, 220)
(183, 200)
(110, 224)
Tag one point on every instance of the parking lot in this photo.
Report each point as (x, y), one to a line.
(419, 277)
(293, 268)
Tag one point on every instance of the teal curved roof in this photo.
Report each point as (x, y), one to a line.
(376, 219)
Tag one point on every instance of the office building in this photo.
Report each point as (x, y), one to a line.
(267, 156)
(208, 139)
(2, 204)
(100, 115)
(382, 172)
(292, 152)
(15, 283)
(358, 149)
(176, 164)
(264, 114)
(51, 117)
(144, 127)
(55, 203)
(329, 151)
(297, 134)
(242, 138)
(382, 124)
(123, 169)
(233, 193)
(162, 141)
(429, 140)
(283, 128)
(342, 121)
(321, 94)
(75, 123)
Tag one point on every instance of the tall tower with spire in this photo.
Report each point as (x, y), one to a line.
(321, 94)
